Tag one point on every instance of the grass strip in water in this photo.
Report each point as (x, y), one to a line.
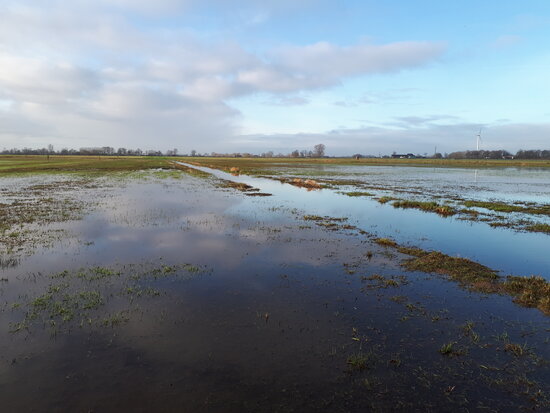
(443, 210)
(539, 228)
(503, 207)
(356, 193)
(532, 292)
(386, 199)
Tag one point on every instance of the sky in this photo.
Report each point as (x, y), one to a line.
(369, 77)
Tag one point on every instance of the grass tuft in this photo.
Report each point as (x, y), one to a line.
(443, 210)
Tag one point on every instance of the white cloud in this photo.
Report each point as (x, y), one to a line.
(85, 73)
(38, 81)
(332, 62)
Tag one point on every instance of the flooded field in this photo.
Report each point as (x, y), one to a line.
(182, 290)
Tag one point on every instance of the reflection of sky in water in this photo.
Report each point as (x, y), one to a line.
(502, 249)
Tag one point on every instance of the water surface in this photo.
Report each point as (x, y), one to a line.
(235, 303)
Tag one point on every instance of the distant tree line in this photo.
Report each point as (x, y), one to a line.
(318, 152)
(104, 150)
(501, 154)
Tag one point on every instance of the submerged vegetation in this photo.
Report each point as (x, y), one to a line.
(79, 296)
(25, 210)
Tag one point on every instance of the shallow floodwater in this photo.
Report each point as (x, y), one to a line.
(209, 300)
(503, 249)
(497, 184)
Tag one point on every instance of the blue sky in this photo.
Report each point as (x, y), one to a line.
(254, 76)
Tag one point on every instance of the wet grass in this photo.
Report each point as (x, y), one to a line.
(545, 228)
(266, 165)
(386, 242)
(357, 194)
(377, 281)
(80, 296)
(495, 221)
(239, 186)
(531, 292)
(14, 164)
(324, 218)
(459, 269)
(468, 330)
(359, 361)
(443, 210)
(504, 207)
(26, 209)
(448, 349)
(242, 187)
(386, 199)
(304, 183)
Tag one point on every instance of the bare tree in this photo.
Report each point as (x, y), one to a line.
(319, 150)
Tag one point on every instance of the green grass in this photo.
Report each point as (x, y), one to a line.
(503, 207)
(448, 349)
(265, 165)
(386, 199)
(359, 361)
(468, 330)
(517, 350)
(531, 292)
(444, 210)
(13, 164)
(539, 228)
(357, 193)
(459, 269)
(386, 242)
(85, 294)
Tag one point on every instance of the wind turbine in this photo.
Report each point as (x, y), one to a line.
(478, 140)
